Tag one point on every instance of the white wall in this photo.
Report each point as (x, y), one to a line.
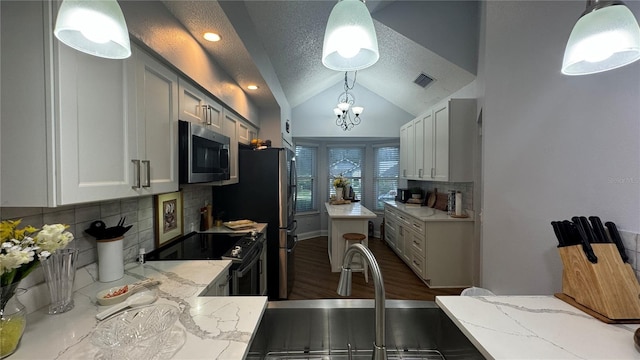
(554, 146)
(314, 118)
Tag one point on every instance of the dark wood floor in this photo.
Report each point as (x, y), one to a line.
(314, 279)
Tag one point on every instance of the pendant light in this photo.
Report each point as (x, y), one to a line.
(605, 37)
(94, 27)
(350, 41)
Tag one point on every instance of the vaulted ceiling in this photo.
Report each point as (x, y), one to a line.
(278, 46)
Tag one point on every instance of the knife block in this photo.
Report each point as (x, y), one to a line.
(607, 290)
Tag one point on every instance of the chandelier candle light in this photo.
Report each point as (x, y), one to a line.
(346, 101)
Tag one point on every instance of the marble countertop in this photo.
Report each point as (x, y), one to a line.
(425, 213)
(215, 327)
(536, 327)
(349, 211)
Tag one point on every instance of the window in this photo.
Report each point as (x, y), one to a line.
(385, 177)
(348, 163)
(306, 170)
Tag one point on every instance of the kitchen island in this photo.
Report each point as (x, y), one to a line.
(209, 327)
(345, 218)
(536, 327)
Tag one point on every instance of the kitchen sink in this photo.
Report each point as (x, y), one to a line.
(338, 329)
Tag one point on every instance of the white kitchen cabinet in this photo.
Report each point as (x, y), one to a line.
(84, 120)
(407, 151)
(439, 252)
(450, 137)
(157, 126)
(230, 125)
(199, 108)
(246, 133)
(438, 146)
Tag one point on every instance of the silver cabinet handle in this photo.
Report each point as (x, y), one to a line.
(432, 171)
(148, 170)
(210, 108)
(404, 172)
(205, 113)
(419, 172)
(136, 169)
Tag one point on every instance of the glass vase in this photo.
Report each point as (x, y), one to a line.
(13, 320)
(60, 273)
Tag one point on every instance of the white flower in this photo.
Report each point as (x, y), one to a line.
(53, 237)
(43, 255)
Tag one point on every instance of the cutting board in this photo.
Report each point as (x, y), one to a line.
(441, 201)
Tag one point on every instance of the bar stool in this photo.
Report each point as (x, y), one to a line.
(352, 238)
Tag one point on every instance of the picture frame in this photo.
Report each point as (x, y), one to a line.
(168, 217)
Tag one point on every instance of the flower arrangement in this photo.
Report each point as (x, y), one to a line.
(340, 181)
(20, 247)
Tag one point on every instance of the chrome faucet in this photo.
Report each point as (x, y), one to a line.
(344, 289)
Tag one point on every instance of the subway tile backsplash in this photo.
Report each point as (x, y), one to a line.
(139, 212)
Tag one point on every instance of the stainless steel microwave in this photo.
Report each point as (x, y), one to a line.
(203, 154)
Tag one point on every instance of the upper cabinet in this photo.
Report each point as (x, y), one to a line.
(440, 147)
(230, 125)
(197, 107)
(91, 129)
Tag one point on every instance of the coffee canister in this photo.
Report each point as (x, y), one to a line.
(110, 259)
(451, 202)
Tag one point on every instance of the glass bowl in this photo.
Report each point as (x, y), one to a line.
(138, 333)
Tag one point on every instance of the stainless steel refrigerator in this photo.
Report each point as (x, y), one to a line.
(266, 193)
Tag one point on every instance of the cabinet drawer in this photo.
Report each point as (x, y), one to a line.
(390, 238)
(417, 263)
(404, 219)
(417, 226)
(417, 242)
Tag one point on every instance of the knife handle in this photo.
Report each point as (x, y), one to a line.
(586, 246)
(598, 229)
(558, 232)
(615, 236)
(586, 226)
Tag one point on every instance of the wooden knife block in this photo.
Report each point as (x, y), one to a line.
(607, 290)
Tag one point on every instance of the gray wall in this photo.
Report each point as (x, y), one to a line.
(554, 146)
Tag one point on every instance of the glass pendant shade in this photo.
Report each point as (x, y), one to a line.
(602, 39)
(350, 41)
(343, 106)
(337, 111)
(357, 110)
(94, 27)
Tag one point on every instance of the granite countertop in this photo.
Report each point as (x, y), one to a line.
(349, 211)
(216, 327)
(425, 213)
(536, 327)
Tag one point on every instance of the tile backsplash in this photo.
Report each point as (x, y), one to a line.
(139, 213)
(631, 243)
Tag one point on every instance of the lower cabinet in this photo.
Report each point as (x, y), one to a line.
(219, 286)
(439, 252)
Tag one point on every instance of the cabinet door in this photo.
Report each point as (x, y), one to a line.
(230, 129)
(441, 142)
(403, 240)
(157, 125)
(419, 143)
(427, 157)
(96, 127)
(407, 151)
(192, 104)
(243, 133)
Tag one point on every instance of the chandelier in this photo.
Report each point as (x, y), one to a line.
(345, 102)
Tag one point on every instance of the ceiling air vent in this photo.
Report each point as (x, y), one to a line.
(423, 80)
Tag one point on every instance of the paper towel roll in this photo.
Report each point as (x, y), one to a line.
(110, 259)
(458, 203)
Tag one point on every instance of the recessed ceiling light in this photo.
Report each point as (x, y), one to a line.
(211, 36)
(252, 87)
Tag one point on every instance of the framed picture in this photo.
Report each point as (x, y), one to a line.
(168, 217)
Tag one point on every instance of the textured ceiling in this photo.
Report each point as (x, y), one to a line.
(292, 33)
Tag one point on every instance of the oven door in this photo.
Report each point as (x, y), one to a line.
(245, 276)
